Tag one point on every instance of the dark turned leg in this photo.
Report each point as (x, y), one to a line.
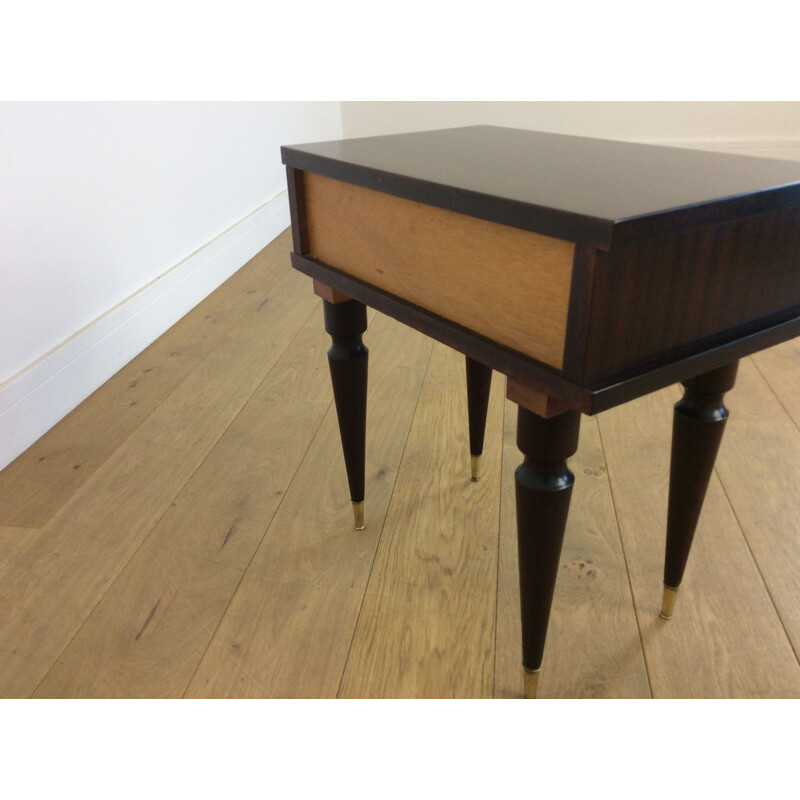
(544, 488)
(698, 424)
(347, 358)
(479, 382)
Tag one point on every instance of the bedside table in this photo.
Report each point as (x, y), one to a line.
(588, 272)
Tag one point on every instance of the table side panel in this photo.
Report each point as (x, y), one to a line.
(297, 204)
(666, 298)
(518, 286)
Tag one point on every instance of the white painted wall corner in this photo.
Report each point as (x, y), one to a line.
(35, 399)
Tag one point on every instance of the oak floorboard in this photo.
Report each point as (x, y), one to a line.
(89, 540)
(280, 639)
(203, 543)
(152, 539)
(780, 367)
(322, 552)
(426, 629)
(14, 541)
(289, 626)
(16, 545)
(147, 635)
(759, 467)
(593, 646)
(724, 619)
(44, 477)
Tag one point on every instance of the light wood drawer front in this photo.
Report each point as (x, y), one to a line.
(509, 285)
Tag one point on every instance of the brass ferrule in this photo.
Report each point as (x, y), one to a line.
(531, 683)
(668, 601)
(475, 464)
(358, 516)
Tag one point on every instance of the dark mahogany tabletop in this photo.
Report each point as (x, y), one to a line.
(585, 190)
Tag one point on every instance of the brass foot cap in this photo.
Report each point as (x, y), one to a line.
(358, 516)
(531, 683)
(668, 602)
(475, 463)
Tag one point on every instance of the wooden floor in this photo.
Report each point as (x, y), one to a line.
(187, 532)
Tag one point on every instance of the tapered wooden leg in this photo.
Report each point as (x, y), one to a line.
(544, 489)
(698, 424)
(479, 382)
(347, 358)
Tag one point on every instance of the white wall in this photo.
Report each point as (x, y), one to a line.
(761, 128)
(115, 220)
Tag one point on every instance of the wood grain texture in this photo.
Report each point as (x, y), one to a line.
(426, 628)
(593, 647)
(87, 543)
(665, 298)
(308, 545)
(759, 467)
(286, 639)
(43, 478)
(289, 626)
(203, 543)
(519, 282)
(14, 541)
(726, 638)
(506, 361)
(780, 366)
(154, 543)
(18, 549)
(148, 633)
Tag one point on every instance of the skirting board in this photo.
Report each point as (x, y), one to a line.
(38, 397)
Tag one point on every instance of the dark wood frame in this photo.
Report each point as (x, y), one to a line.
(574, 386)
(587, 400)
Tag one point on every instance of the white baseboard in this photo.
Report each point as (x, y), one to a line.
(35, 399)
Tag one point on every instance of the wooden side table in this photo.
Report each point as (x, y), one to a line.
(589, 272)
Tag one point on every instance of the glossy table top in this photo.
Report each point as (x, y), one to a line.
(591, 191)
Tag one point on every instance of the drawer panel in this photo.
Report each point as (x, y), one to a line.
(509, 285)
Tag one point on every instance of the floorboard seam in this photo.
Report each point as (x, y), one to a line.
(380, 533)
(625, 558)
(211, 447)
